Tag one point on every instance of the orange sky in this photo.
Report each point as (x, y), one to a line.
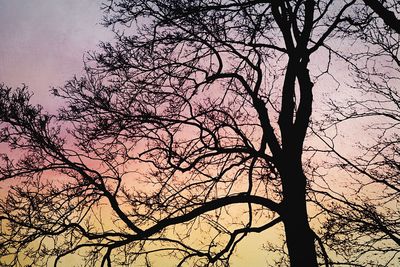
(43, 42)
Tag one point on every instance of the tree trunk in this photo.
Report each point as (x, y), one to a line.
(299, 237)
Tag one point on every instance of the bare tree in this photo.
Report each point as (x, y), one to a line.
(192, 122)
(387, 11)
(366, 223)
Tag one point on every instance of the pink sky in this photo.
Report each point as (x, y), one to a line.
(43, 41)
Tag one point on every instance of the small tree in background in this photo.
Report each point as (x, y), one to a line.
(364, 225)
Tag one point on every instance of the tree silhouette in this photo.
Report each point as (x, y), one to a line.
(191, 123)
(368, 219)
(386, 12)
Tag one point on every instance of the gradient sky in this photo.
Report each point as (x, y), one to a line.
(43, 41)
(42, 45)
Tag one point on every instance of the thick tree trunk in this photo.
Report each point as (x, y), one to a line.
(299, 237)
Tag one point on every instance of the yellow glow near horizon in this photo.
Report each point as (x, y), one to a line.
(43, 45)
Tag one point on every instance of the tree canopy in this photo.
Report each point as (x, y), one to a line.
(194, 128)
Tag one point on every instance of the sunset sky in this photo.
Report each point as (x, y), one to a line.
(43, 45)
(43, 41)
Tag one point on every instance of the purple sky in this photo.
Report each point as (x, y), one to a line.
(43, 41)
